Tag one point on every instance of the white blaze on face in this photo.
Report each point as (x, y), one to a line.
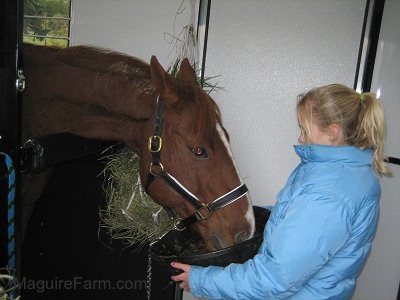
(249, 214)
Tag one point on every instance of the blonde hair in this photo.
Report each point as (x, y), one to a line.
(361, 117)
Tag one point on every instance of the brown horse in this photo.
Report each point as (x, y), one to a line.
(173, 125)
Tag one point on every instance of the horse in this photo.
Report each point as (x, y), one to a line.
(175, 127)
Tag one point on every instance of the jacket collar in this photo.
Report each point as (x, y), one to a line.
(336, 154)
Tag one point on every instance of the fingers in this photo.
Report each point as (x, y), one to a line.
(183, 278)
(180, 266)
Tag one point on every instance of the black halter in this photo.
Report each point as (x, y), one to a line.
(203, 211)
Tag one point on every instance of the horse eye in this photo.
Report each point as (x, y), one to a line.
(200, 151)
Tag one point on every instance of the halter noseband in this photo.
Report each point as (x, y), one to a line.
(203, 211)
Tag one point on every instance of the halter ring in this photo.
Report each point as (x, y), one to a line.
(158, 171)
(178, 221)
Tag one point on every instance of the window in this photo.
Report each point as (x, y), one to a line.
(47, 22)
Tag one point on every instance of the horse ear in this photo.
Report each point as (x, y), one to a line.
(163, 83)
(186, 72)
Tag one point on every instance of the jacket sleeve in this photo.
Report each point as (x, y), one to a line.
(311, 231)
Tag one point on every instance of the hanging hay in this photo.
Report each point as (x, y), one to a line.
(8, 284)
(131, 215)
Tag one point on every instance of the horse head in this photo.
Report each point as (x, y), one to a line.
(103, 95)
(188, 163)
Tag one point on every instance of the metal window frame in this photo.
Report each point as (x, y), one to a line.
(202, 33)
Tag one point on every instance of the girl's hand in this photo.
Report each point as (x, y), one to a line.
(183, 278)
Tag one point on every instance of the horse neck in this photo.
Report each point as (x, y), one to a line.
(98, 105)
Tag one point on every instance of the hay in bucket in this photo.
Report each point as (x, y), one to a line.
(130, 215)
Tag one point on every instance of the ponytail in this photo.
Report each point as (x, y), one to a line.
(371, 130)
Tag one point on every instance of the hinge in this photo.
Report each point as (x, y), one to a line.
(20, 82)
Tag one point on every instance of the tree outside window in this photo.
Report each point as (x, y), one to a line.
(47, 22)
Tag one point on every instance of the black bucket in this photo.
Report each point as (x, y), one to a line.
(187, 247)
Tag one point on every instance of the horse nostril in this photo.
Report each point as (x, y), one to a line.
(241, 237)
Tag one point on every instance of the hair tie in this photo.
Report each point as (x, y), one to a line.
(362, 98)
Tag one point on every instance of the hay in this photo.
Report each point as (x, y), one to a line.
(131, 215)
(8, 284)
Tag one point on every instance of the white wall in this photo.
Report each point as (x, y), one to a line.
(132, 27)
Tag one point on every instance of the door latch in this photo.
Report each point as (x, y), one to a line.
(20, 82)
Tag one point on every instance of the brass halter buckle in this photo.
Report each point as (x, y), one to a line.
(203, 212)
(155, 143)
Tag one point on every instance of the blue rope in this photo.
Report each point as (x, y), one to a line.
(10, 211)
(11, 217)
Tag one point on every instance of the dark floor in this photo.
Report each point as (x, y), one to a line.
(66, 256)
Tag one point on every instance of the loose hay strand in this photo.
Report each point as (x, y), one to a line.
(130, 215)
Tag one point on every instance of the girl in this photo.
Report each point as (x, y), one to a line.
(320, 231)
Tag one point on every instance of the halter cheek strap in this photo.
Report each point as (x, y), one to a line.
(203, 211)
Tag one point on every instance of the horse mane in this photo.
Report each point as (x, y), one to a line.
(109, 61)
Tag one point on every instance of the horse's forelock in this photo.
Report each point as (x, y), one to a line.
(207, 113)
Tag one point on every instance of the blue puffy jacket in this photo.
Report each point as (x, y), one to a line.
(317, 238)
